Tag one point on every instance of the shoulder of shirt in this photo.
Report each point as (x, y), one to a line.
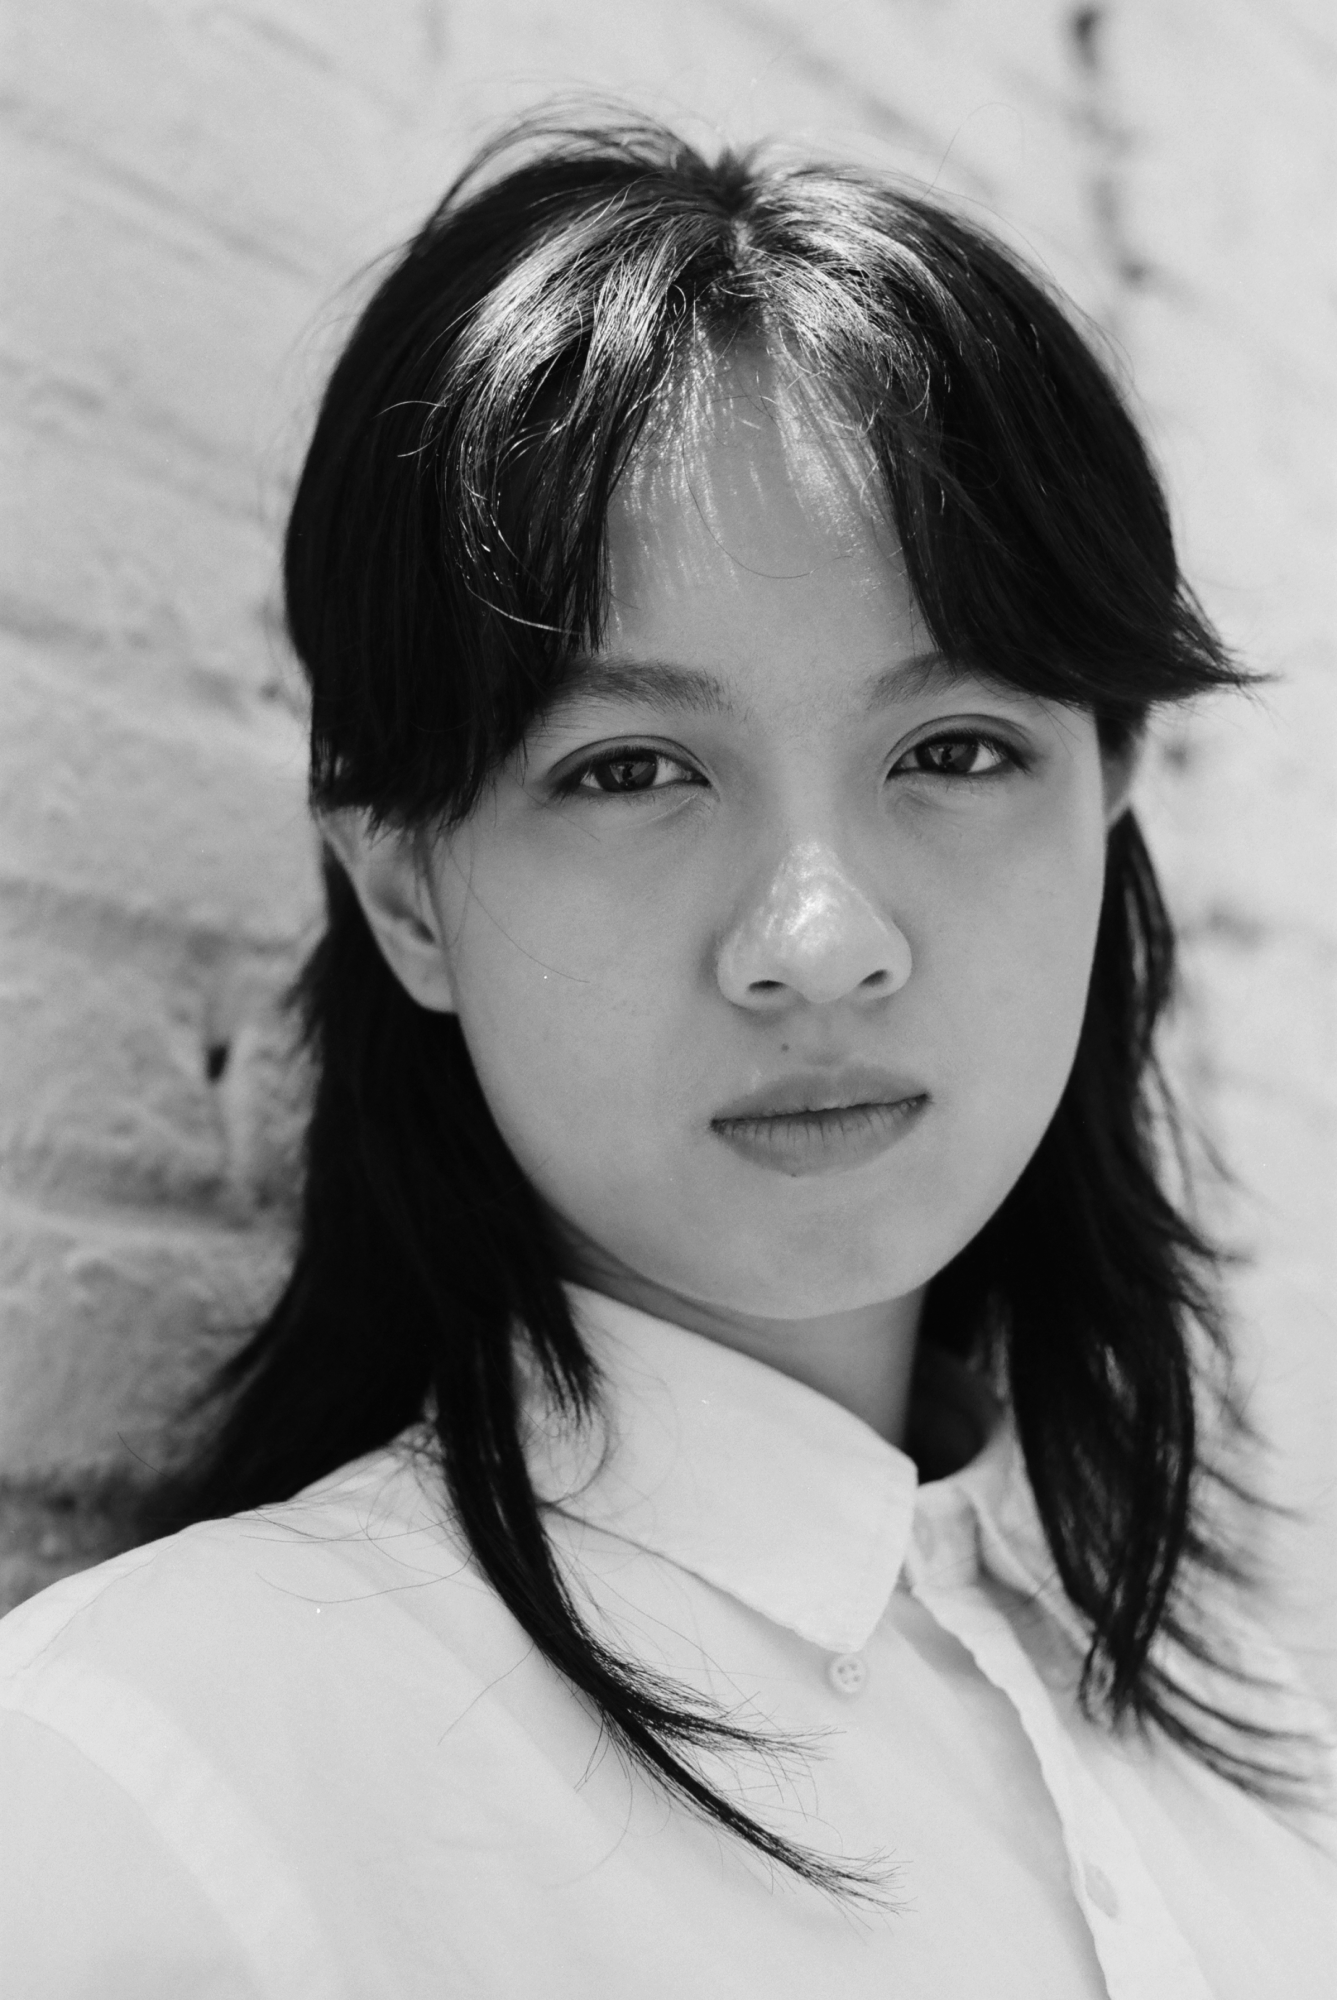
(357, 1528)
(1245, 1673)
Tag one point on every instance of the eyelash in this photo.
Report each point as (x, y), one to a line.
(573, 784)
(1010, 758)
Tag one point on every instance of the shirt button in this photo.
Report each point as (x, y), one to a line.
(1101, 1890)
(847, 1672)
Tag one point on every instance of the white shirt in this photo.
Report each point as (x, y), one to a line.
(304, 1753)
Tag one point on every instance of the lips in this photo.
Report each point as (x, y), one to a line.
(822, 1122)
(821, 1090)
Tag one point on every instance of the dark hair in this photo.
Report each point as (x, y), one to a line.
(444, 560)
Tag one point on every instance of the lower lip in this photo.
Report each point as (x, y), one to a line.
(821, 1142)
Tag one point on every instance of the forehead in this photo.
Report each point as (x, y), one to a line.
(749, 469)
(750, 536)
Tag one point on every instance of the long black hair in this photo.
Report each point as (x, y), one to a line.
(445, 557)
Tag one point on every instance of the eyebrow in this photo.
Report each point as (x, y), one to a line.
(662, 684)
(920, 674)
(649, 683)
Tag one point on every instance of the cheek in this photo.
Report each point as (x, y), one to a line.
(1013, 986)
(556, 1001)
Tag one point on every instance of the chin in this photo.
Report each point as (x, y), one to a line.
(835, 1262)
(786, 1286)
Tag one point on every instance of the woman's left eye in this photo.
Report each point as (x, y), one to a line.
(960, 755)
(628, 773)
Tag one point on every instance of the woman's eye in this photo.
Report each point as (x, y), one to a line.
(622, 772)
(958, 756)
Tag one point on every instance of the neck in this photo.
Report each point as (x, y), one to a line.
(862, 1359)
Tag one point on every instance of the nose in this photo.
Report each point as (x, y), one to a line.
(812, 935)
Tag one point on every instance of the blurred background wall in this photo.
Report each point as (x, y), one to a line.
(191, 185)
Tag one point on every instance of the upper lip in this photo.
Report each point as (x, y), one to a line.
(822, 1090)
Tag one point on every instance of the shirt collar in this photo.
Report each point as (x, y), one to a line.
(736, 1472)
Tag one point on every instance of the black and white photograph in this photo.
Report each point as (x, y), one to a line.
(668, 1013)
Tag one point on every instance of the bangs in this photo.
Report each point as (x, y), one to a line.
(554, 318)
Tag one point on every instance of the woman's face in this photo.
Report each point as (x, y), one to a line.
(771, 950)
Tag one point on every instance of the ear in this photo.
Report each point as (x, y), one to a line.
(1120, 768)
(385, 869)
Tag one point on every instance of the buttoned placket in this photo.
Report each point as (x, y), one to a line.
(1141, 1951)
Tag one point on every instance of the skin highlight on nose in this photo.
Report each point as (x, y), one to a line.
(813, 935)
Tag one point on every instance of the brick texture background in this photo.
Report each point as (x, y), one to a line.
(190, 184)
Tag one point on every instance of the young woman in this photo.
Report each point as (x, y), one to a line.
(736, 1495)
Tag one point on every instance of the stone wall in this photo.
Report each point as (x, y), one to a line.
(192, 189)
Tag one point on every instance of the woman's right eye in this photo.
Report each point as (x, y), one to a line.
(628, 772)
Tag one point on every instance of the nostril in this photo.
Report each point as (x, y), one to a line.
(766, 986)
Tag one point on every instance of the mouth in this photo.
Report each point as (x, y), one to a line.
(822, 1123)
